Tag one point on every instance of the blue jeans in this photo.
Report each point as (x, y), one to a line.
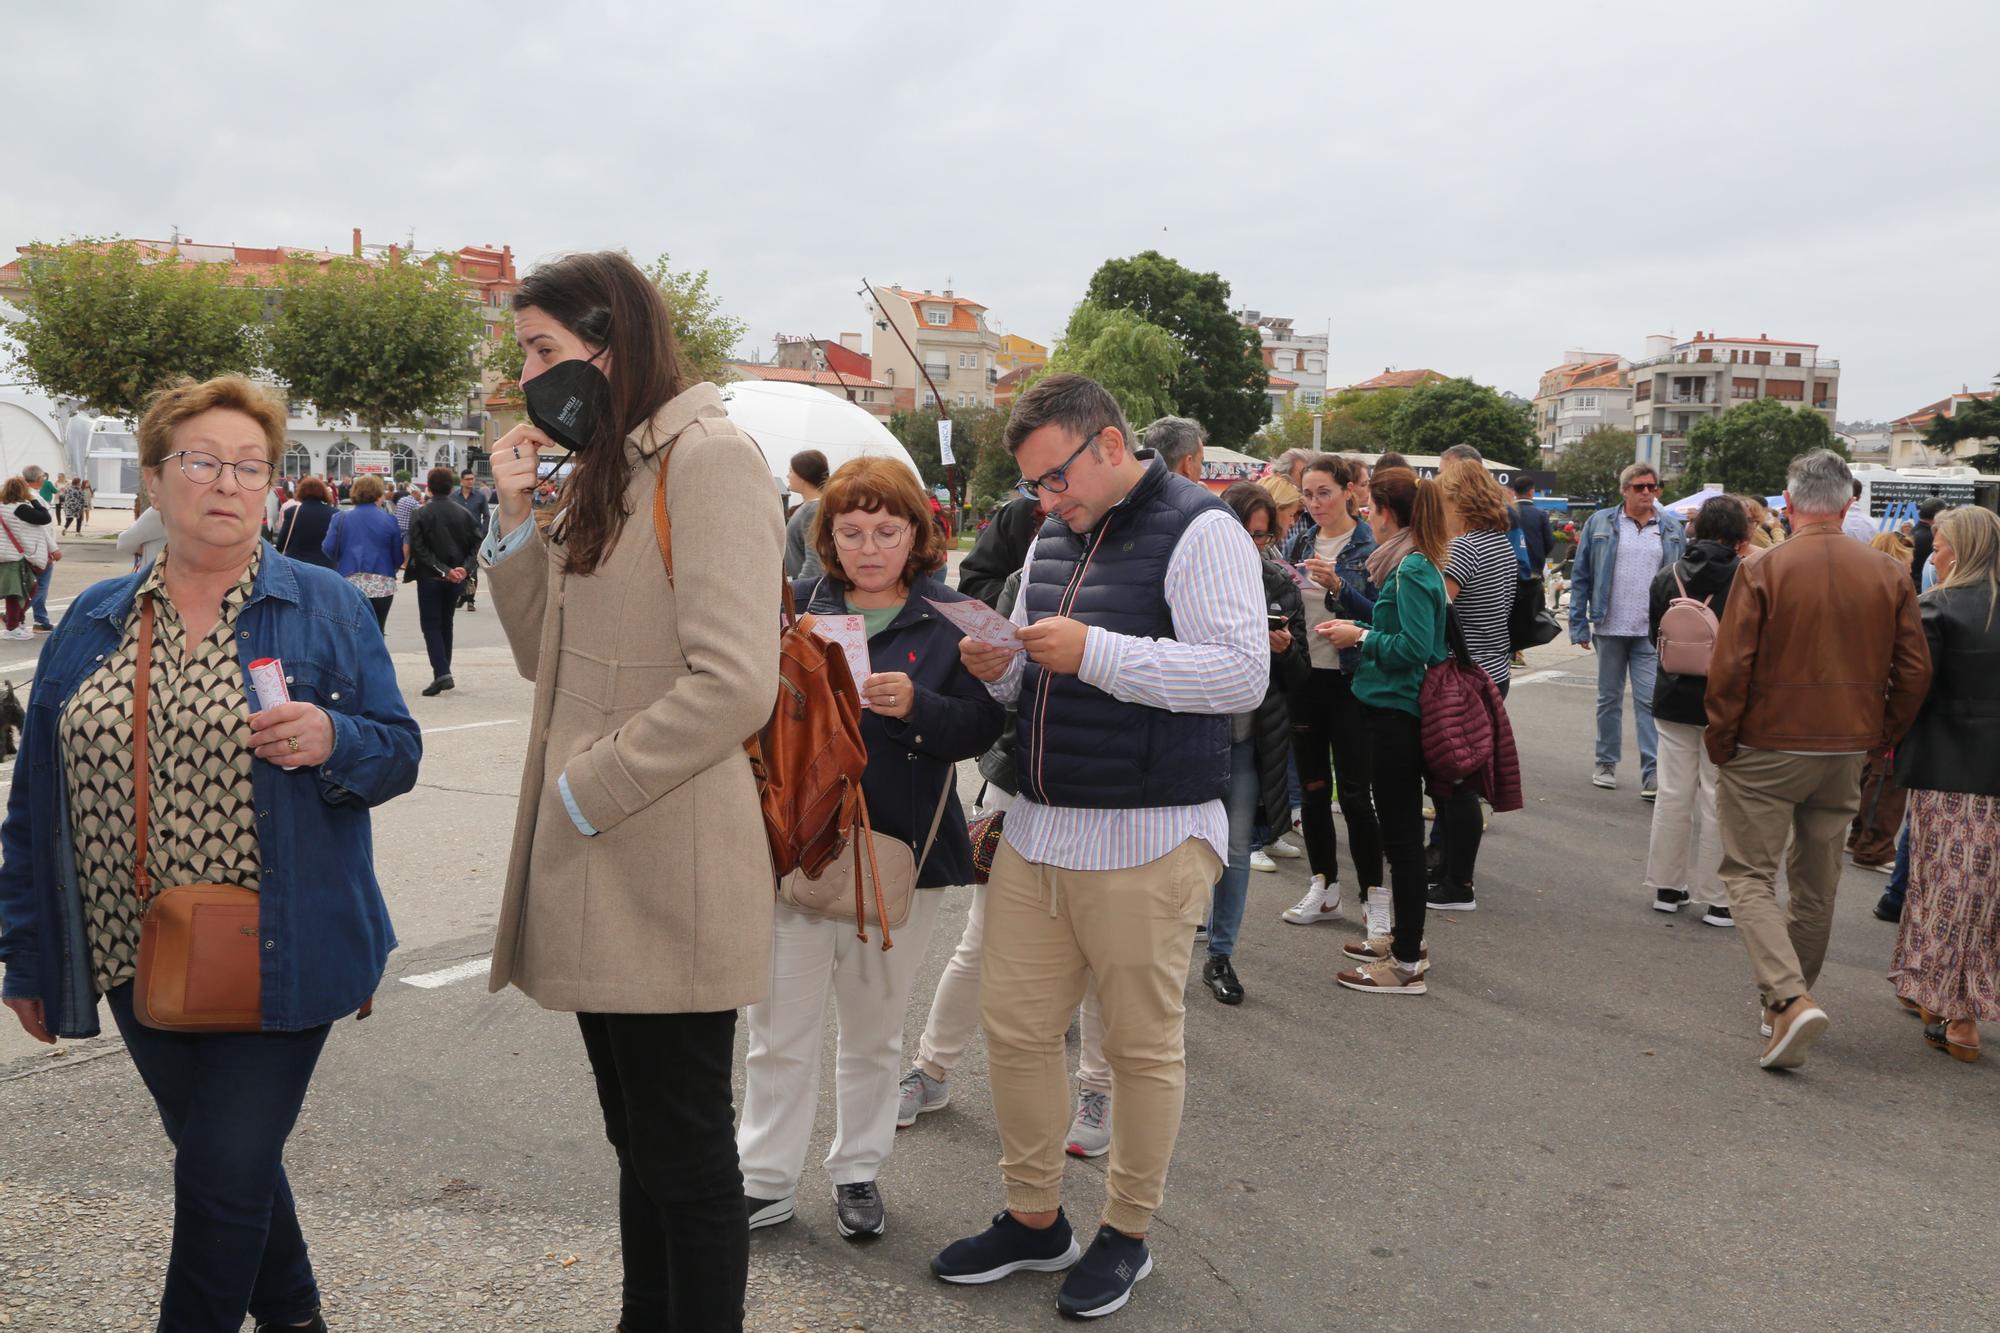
(228, 1101)
(1620, 656)
(1225, 916)
(40, 604)
(1899, 882)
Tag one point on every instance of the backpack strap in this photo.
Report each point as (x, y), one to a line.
(1677, 579)
(663, 532)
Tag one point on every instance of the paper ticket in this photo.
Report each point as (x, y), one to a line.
(980, 623)
(851, 633)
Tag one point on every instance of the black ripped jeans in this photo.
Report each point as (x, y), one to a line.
(1328, 724)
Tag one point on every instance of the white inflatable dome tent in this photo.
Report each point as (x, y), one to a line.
(786, 418)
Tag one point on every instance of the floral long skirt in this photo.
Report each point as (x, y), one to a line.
(1948, 951)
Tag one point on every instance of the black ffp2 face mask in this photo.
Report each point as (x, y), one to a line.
(566, 401)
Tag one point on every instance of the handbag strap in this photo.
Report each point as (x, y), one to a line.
(142, 774)
(8, 528)
(937, 818)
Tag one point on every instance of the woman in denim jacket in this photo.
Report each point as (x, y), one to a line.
(274, 800)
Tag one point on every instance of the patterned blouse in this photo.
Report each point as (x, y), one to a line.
(204, 828)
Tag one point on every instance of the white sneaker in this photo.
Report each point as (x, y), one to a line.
(1282, 849)
(1259, 861)
(1380, 919)
(1090, 1132)
(1321, 903)
(1298, 821)
(918, 1094)
(22, 633)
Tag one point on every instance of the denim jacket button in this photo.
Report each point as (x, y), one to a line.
(270, 944)
(335, 695)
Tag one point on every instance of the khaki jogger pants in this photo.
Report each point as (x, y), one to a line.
(1047, 930)
(1762, 798)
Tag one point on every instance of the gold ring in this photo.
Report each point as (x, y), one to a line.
(292, 744)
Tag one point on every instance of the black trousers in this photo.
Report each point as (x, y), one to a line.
(1399, 805)
(437, 599)
(663, 1082)
(1458, 830)
(381, 607)
(1327, 724)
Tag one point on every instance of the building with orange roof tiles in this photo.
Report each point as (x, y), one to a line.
(947, 336)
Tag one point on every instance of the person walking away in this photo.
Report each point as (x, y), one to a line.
(302, 532)
(1537, 532)
(1330, 735)
(407, 503)
(1260, 742)
(37, 511)
(366, 548)
(924, 713)
(1618, 554)
(1819, 659)
(472, 499)
(1405, 639)
(1947, 959)
(805, 478)
(25, 552)
(283, 812)
(1684, 851)
(1143, 623)
(1481, 575)
(639, 881)
(1922, 540)
(443, 541)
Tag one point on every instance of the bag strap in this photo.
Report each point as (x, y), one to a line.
(663, 532)
(8, 528)
(1677, 580)
(142, 774)
(937, 818)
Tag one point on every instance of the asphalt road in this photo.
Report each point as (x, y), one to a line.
(1568, 1132)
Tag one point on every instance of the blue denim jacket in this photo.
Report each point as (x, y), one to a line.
(1356, 598)
(1597, 559)
(325, 928)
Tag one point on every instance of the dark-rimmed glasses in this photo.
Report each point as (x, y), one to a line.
(253, 474)
(1055, 482)
(1644, 486)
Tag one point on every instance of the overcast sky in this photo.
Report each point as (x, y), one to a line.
(1470, 187)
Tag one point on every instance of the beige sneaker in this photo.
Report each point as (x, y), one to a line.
(1384, 978)
(1792, 1034)
(1376, 949)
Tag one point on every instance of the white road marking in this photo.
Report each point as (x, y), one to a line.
(459, 972)
(470, 726)
(1534, 677)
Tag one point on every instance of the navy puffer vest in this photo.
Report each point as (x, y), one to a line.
(1078, 745)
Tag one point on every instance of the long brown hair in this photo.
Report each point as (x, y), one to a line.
(605, 300)
(1418, 505)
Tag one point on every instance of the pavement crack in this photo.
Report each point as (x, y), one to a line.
(465, 791)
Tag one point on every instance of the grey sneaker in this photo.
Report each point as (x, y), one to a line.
(1090, 1132)
(1605, 776)
(920, 1093)
(858, 1210)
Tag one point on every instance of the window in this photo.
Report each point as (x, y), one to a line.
(936, 366)
(1586, 402)
(936, 317)
(1790, 391)
(1742, 388)
(340, 460)
(1792, 358)
(930, 399)
(297, 461)
(1312, 397)
(968, 360)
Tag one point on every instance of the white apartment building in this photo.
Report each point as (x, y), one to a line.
(947, 332)
(1907, 446)
(1676, 384)
(1297, 361)
(1587, 391)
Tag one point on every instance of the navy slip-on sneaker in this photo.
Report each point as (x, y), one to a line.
(1103, 1282)
(1007, 1247)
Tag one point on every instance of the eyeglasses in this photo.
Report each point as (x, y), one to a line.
(886, 536)
(202, 469)
(1056, 482)
(1263, 538)
(1644, 486)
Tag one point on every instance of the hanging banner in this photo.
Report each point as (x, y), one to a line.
(944, 442)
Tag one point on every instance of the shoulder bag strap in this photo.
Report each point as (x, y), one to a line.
(663, 532)
(8, 528)
(937, 817)
(142, 780)
(1677, 580)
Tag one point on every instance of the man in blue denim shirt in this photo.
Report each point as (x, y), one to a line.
(1617, 555)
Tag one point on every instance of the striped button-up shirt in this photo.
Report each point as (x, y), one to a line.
(1218, 662)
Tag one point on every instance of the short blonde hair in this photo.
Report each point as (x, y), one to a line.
(170, 408)
(1471, 491)
(366, 490)
(1283, 493)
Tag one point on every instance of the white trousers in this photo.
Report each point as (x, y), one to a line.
(1684, 819)
(813, 959)
(955, 1011)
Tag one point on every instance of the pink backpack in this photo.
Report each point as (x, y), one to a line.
(1687, 634)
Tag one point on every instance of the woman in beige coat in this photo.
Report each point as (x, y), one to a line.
(639, 889)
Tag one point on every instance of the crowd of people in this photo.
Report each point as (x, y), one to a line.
(1191, 687)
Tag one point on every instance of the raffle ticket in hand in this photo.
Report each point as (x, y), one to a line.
(267, 682)
(980, 623)
(851, 633)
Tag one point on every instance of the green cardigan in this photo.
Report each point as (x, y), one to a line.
(1406, 637)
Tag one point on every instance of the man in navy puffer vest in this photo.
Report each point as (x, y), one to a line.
(1142, 613)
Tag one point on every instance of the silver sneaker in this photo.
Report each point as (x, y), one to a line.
(920, 1093)
(1605, 776)
(1090, 1132)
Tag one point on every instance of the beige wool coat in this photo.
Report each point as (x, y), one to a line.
(644, 694)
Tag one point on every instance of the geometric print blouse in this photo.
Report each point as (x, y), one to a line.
(204, 828)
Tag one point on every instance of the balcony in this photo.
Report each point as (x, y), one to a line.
(1687, 396)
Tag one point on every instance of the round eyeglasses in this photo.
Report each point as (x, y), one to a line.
(253, 474)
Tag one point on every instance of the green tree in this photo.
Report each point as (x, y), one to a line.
(1135, 360)
(1747, 449)
(104, 324)
(390, 343)
(1439, 415)
(975, 432)
(1292, 430)
(1590, 467)
(1221, 380)
(707, 337)
(994, 475)
(503, 358)
(1978, 419)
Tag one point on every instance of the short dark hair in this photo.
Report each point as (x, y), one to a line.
(1524, 485)
(1074, 402)
(1389, 460)
(1931, 508)
(468, 473)
(811, 466)
(1336, 467)
(1857, 488)
(440, 480)
(1722, 519)
(1245, 498)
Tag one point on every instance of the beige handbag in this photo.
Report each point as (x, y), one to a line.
(836, 894)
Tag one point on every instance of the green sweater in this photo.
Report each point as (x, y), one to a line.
(1406, 637)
